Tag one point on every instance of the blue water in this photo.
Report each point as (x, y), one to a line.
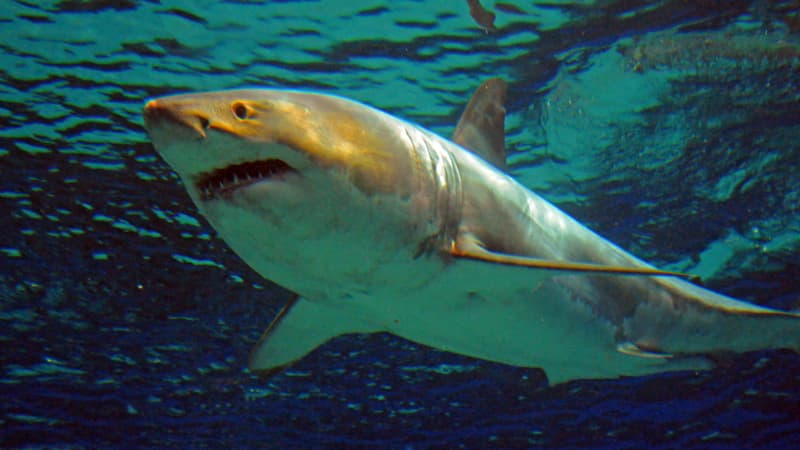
(670, 127)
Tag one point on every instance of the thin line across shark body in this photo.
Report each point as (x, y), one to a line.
(379, 225)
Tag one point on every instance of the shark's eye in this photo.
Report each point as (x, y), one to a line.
(240, 110)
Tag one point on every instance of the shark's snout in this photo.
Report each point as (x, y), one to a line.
(160, 113)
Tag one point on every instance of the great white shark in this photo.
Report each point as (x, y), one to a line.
(379, 225)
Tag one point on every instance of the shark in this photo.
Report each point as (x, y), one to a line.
(379, 225)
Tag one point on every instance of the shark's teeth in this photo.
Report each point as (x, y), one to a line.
(221, 182)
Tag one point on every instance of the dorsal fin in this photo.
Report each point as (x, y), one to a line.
(481, 128)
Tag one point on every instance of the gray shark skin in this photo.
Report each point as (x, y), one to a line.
(379, 225)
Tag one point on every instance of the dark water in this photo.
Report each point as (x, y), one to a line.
(671, 127)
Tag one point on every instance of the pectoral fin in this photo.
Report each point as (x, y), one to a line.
(471, 249)
(300, 327)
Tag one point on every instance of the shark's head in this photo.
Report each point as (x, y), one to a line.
(313, 191)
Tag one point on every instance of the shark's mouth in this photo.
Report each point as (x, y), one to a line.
(222, 182)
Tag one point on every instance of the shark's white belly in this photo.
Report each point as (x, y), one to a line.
(508, 315)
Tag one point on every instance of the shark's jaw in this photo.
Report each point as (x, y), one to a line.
(223, 182)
